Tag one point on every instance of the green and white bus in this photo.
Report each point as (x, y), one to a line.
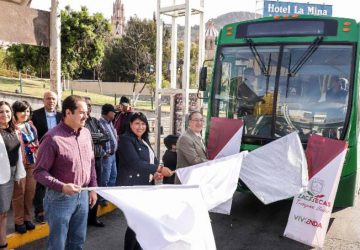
(291, 73)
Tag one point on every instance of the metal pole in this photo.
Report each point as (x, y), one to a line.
(186, 66)
(21, 82)
(159, 52)
(55, 49)
(201, 55)
(173, 52)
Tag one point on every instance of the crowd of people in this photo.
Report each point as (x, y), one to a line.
(49, 158)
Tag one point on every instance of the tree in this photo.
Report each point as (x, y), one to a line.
(114, 64)
(139, 46)
(194, 62)
(30, 58)
(2, 58)
(132, 58)
(83, 39)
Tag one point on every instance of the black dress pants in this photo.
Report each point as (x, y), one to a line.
(130, 240)
(93, 211)
(38, 198)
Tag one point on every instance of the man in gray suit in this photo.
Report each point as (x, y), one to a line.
(190, 147)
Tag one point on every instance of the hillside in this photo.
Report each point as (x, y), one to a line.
(232, 17)
(219, 21)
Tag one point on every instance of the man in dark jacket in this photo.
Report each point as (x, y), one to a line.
(99, 137)
(44, 119)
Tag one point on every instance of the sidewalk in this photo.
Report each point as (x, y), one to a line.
(41, 231)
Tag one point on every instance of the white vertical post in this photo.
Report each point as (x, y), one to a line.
(159, 52)
(173, 52)
(55, 49)
(186, 66)
(172, 112)
(201, 55)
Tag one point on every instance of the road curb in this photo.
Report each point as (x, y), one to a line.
(42, 230)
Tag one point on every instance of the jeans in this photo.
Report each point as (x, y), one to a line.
(109, 172)
(67, 219)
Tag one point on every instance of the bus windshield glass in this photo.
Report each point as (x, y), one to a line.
(279, 89)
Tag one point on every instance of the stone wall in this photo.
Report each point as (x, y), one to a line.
(109, 88)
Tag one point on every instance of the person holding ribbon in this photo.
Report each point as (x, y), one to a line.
(137, 163)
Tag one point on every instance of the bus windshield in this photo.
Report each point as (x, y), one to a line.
(279, 89)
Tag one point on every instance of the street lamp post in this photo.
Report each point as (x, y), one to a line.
(55, 49)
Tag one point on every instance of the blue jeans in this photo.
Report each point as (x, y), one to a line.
(67, 219)
(109, 172)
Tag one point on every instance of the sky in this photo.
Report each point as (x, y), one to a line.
(213, 8)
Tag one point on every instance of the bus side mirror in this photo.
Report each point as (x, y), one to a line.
(202, 80)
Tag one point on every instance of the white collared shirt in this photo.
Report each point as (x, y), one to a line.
(151, 153)
(201, 139)
(50, 119)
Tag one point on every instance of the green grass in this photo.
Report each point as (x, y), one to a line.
(37, 88)
(29, 87)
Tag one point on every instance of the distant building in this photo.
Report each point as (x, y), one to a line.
(4, 44)
(210, 35)
(118, 19)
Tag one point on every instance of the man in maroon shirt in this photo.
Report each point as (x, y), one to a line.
(64, 165)
(122, 118)
(121, 124)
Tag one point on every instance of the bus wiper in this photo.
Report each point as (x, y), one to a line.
(288, 77)
(257, 57)
(264, 70)
(302, 60)
(268, 75)
(307, 54)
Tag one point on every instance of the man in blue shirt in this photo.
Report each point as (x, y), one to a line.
(109, 173)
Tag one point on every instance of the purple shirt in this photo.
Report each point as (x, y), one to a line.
(65, 156)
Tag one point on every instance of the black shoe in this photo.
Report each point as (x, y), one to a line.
(103, 203)
(4, 246)
(39, 218)
(29, 225)
(21, 229)
(96, 223)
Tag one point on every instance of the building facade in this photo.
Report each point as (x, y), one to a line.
(210, 36)
(118, 19)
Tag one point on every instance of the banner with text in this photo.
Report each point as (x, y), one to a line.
(277, 8)
(310, 212)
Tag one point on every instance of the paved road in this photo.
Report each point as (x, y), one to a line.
(250, 226)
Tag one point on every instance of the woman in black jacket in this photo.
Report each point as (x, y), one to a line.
(137, 163)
